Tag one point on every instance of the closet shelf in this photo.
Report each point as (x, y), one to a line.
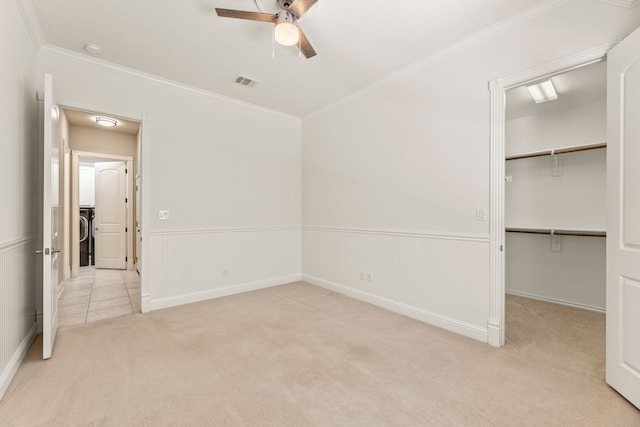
(561, 150)
(558, 232)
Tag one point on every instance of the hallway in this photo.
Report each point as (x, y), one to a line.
(99, 294)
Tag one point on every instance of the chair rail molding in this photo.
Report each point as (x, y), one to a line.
(630, 4)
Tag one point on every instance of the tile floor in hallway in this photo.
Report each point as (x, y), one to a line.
(99, 294)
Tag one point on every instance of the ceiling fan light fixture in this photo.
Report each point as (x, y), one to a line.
(106, 122)
(286, 32)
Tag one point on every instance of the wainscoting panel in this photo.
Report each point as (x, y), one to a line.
(437, 278)
(191, 266)
(17, 306)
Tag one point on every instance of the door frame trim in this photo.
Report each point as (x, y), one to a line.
(75, 206)
(496, 327)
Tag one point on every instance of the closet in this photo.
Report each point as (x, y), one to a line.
(555, 191)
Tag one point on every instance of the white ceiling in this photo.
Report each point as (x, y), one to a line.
(84, 119)
(358, 42)
(574, 87)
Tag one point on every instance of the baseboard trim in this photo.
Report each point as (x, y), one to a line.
(444, 322)
(145, 303)
(14, 364)
(159, 304)
(557, 301)
(494, 334)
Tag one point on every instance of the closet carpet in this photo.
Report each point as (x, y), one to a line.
(299, 355)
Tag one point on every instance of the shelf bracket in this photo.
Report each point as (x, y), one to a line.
(556, 166)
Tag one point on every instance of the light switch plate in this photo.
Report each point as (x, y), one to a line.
(481, 214)
(556, 243)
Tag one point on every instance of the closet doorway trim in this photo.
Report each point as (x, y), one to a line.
(496, 323)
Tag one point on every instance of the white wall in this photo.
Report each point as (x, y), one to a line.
(409, 157)
(18, 119)
(86, 185)
(575, 200)
(578, 125)
(103, 141)
(218, 166)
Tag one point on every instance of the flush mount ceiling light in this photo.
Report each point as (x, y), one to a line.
(106, 122)
(93, 49)
(543, 91)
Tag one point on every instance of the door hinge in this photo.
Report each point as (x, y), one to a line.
(126, 229)
(126, 200)
(35, 315)
(126, 259)
(126, 170)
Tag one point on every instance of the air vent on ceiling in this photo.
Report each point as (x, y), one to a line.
(245, 81)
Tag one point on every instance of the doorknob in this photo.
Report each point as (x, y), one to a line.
(46, 251)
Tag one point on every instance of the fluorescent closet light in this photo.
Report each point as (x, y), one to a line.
(105, 121)
(543, 91)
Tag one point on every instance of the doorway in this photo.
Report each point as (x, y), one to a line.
(555, 212)
(104, 163)
(555, 189)
(496, 325)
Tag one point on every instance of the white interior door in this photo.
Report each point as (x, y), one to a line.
(623, 215)
(111, 215)
(51, 168)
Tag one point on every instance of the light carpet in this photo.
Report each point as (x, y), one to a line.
(299, 355)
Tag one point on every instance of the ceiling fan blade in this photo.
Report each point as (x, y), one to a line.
(241, 14)
(305, 46)
(299, 7)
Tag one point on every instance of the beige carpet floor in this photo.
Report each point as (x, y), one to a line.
(299, 355)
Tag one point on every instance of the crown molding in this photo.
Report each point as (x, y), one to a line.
(503, 26)
(629, 4)
(31, 21)
(556, 66)
(164, 81)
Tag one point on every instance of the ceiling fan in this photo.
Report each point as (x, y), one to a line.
(287, 31)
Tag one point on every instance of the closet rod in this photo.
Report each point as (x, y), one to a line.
(561, 150)
(558, 232)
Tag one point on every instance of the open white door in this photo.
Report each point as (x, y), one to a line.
(111, 215)
(51, 161)
(623, 216)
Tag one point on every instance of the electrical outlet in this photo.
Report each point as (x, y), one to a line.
(369, 278)
(225, 272)
(480, 214)
(163, 214)
(362, 275)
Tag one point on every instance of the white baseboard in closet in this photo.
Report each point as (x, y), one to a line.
(557, 301)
